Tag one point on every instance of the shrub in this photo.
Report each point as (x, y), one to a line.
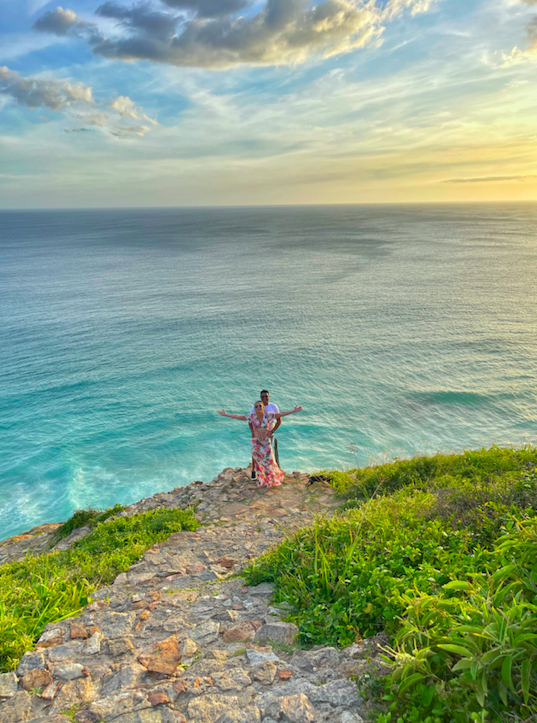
(86, 518)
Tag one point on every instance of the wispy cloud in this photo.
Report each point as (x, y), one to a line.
(493, 179)
(76, 102)
(211, 33)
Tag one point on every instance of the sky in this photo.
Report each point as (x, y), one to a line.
(239, 102)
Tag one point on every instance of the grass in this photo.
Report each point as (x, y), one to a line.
(51, 587)
(413, 529)
(86, 518)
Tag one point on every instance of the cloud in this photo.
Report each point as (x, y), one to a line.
(67, 23)
(36, 92)
(208, 8)
(213, 35)
(76, 101)
(140, 17)
(517, 56)
(494, 179)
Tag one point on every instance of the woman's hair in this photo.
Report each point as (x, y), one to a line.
(258, 402)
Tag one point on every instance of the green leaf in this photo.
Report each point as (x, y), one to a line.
(457, 585)
(525, 673)
(506, 673)
(411, 680)
(457, 649)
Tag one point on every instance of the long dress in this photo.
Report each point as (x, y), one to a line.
(268, 472)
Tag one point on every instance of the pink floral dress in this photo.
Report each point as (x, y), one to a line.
(268, 472)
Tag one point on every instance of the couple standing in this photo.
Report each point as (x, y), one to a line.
(263, 420)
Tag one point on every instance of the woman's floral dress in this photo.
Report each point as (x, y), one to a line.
(268, 472)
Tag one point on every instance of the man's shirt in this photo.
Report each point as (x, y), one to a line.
(270, 407)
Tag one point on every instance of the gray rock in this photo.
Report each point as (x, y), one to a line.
(324, 657)
(8, 685)
(209, 708)
(293, 708)
(264, 588)
(205, 633)
(30, 661)
(251, 714)
(116, 625)
(161, 714)
(119, 646)
(93, 644)
(264, 672)
(347, 717)
(226, 616)
(234, 679)
(17, 708)
(337, 693)
(277, 633)
(70, 540)
(125, 679)
(302, 661)
(258, 656)
(69, 671)
(65, 652)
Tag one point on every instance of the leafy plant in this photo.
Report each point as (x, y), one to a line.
(86, 518)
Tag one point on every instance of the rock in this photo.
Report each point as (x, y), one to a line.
(69, 671)
(188, 648)
(220, 654)
(258, 656)
(277, 633)
(119, 646)
(209, 708)
(116, 625)
(337, 693)
(226, 616)
(265, 588)
(30, 661)
(157, 697)
(234, 679)
(264, 672)
(227, 562)
(348, 717)
(356, 650)
(70, 540)
(284, 674)
(325, 657)
(125, 679)
(93, 644)
(17, 708)
(149, 715)
(86, 716)
(293, 708)
(71, 693)
(162, 657)
(205, 633)
(79, 630)
(50, 638)
(50, 691)
(251, 714)
(39, 678)
(8, 685)
(241, 632)
(66, 652)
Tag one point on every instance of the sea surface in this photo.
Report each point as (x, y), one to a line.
(400, 329)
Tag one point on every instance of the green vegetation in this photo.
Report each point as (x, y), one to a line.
(86, 518)
(51, 587)
(440, 553)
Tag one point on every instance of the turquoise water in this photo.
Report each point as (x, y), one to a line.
(399, 329)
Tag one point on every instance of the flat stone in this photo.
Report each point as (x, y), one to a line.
(347, 717)
(226, 616)
(69, 671)
(264, 672)
(162, 657)
(157, 697)
(205, 633)
(66, 652)
(8, 685)
(241, 632)
(231, 680)
(50, 691)
(17, 708)
(208, 708)
(116, 625)
(250, 714)
(160, 714)
(188, 648)
(127, 678)
(119, 646)
(30, 661)
(326, 657)
(255, 657)
(50, 638)
(79, 630)
(292, 708)
(92, 645)
(39, 678)
(73, 692)
(70, 540)
(220, 654)
(277, 633)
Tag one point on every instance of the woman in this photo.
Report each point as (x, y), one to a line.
(268, 472)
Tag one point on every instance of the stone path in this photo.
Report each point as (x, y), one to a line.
(180, 639)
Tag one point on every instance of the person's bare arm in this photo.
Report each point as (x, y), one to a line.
(223, 413)
(276, 426)
(278, 415)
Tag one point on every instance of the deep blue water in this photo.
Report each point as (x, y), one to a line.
(399, 329)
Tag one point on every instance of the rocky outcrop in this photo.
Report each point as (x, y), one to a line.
(179, 638)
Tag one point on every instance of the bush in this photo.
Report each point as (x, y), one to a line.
(54, 586)
(86, 518)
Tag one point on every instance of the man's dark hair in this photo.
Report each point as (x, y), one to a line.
(263, 391)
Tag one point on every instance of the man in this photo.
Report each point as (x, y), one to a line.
(269, 407)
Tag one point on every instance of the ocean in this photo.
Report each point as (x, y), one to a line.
(400, 329)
